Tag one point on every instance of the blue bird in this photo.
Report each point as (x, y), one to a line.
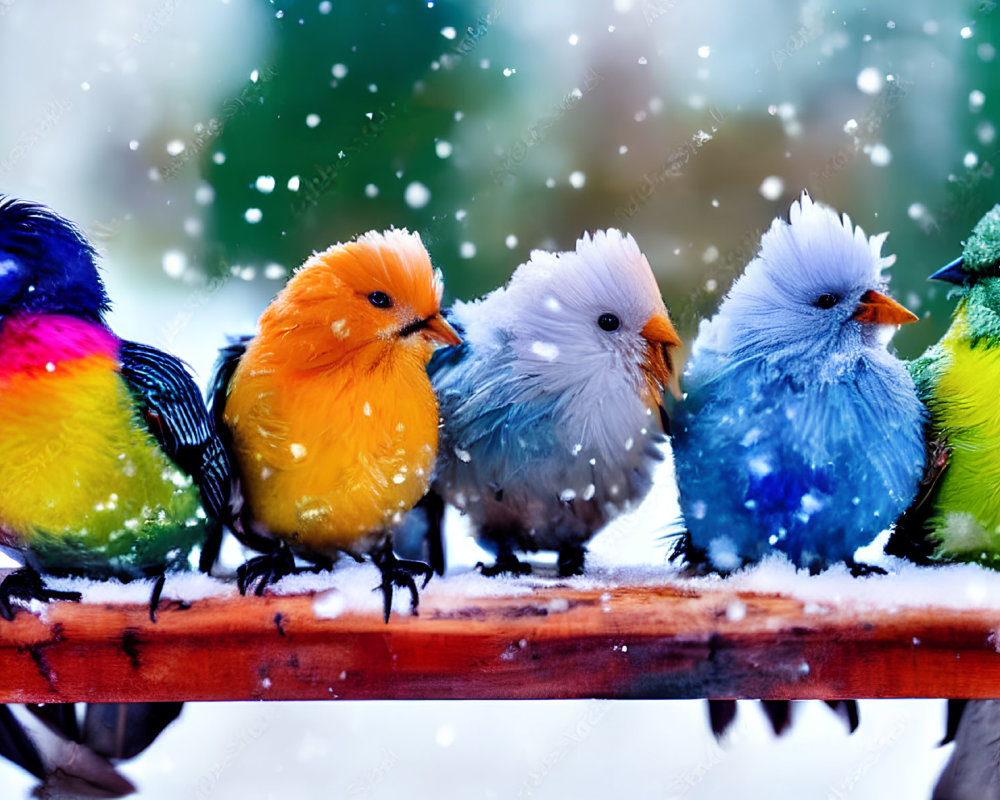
(798, 431)
(551, 407)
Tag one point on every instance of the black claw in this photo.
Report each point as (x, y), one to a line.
(399, 572)
(265, 569)
(860, 570)
(210, 548)
(506, 564)
(571, 558)
(693, 559)
(26, 584)
(154, 598)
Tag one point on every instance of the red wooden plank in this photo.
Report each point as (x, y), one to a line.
(554, 643)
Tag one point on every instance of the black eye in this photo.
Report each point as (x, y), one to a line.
(608, 322)
(380, 300)
(826, 301)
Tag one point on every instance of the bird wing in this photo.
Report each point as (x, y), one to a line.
(176, 416)
(489, 420)
(910, 537)
(222, 375)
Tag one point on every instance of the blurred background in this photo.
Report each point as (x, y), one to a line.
(207, 148)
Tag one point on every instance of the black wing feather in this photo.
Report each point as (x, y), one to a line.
(910, 538)
(222, 374)
(176, 416)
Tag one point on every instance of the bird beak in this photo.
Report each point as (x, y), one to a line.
(439, 330)
(952, 273)
(660, 336)
(882, 310)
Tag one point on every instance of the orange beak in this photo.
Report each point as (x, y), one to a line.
(660, 336)
(438, 330)
(879, 309)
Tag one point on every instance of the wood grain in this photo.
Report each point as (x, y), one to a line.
(629, 642)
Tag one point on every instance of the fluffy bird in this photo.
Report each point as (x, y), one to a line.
(333, 421)
(798, 432)
(552, 406)
(958, 515)
(108, 457)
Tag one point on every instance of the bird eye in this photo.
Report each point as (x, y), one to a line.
(608, 322)
(826, 301)
(380, 300)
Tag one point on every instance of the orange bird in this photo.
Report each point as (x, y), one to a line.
(332, 418)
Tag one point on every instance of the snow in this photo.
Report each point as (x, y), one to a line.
(416, 195)
(771, 187)
(185, 587)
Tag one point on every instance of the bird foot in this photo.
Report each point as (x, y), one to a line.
(26, 584)
(399, 572)
(265, 569)
(861, 570)
(693, 561)
(154, 597)
(571, 558)
(506, 564)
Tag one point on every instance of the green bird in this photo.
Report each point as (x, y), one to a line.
(957, 514)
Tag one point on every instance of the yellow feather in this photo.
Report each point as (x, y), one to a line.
(966, 408)
(73, 457)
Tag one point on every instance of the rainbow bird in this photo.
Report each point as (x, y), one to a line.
(958, 514)
(108, 457)
(332, 419)
(552, 408)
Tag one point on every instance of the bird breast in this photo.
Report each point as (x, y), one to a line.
(328, 458)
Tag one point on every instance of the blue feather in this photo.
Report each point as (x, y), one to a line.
(547, 427)
(46, 264)
(799, 432)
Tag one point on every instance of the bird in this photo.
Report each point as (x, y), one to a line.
(74, 759)
(328, 411)
(798, 431)
(971, 772)
(109, 460)
(552, 407)
(957, 514)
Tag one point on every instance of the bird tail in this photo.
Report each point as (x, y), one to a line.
(74, 760)
(780, 713)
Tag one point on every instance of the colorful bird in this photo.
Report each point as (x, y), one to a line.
(798, 432)
(958, 515)
(333, 421)
(551, 409)
(108, 457)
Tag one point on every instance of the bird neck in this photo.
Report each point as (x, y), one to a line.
(38, 341)
(977, 317)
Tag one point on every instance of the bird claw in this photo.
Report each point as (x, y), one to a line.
(693, 561)
(399, 572)
(861, 570)
(154, 597)
(26, 584)
(265, 569)
(571, 559)
(506, 564)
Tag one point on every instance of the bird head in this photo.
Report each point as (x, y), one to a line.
(976, 273)
(46, 264)
(814, 289)
(591, 321)
(375, 296)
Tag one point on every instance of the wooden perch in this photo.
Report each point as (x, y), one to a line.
(627, 642)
